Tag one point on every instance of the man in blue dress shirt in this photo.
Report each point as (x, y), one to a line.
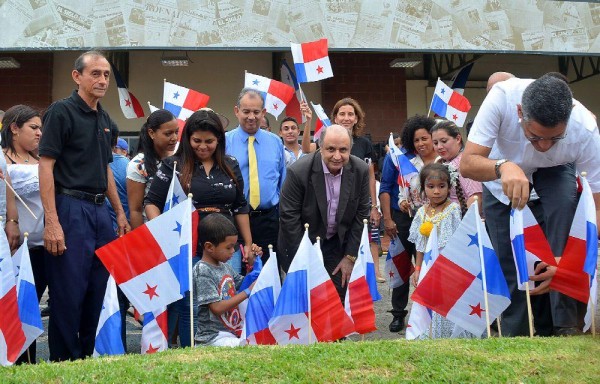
(270, 166)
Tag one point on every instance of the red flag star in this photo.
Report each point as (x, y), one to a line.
(151, 349)
(127, 103)
(476, 310)
(276, 106)
(293, 332)
(319, 69)
(151, 291)
(391, 274)
(454, 117)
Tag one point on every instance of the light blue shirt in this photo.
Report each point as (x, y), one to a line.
(269, 157)
(290, 156)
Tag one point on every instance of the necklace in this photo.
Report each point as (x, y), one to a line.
(433, 218)
(24, 160)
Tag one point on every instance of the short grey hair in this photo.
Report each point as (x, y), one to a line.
(548, 101)
(250, 91)
(324, 131)
(79, 64)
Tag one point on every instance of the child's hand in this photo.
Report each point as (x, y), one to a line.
(250, 252)
(415, 278)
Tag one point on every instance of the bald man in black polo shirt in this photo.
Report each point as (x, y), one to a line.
(75, 179)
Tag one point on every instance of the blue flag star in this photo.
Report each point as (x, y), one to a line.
(177, 228)
(255, 82)
(175, 200)
(443, 91)
(176, 95)
(427, 257)
(474, 240)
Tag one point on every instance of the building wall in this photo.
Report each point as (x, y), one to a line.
(379, 89)
(31, 84)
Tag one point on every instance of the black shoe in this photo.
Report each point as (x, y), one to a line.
(397, 324)
(45, 312)
(567, 331)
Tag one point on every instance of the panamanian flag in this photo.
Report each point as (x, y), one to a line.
(450, 104)
(275, 93)
(398, 264)
(311, 61)
(529, 244)
(322, 120)
(577, 266)
(12, 337)
(150, 263)
(362, 288)
(419, 321)
(308, 287)
(130, 105)
(29, 310)
(456, 283)
(261, 304)
(155, 332)
(182, 102)
(108, 332)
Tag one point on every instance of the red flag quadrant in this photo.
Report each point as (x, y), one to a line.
(150, 263)
(12, 337)
(130, 105)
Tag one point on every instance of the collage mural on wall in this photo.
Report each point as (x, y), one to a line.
(421, 25)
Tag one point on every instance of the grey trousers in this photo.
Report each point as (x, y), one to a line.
(554, 210)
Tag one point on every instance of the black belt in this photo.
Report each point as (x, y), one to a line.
(260, 212)
(97, 199)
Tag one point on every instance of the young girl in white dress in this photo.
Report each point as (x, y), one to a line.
(436, 182)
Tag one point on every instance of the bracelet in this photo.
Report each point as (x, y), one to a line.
(375, 206)
(417, 268)
(247, 291)
(12, 221)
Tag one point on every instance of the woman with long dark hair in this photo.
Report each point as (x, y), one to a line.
(21, 133)
(215, 181)
(158, 138)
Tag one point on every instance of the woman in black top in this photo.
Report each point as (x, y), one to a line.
(215, 181)
(213, 178)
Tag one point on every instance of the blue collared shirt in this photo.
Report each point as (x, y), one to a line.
(270, 159)
(290, 156)
(389, 182)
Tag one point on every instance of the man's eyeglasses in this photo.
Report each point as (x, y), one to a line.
(537, 139)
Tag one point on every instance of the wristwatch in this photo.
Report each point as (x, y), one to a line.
(497, 167)
(351, 258)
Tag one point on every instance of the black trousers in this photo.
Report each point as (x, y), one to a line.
(556, 188)
(77, 278)
(400, 294)
(332, 255)
(265, 229)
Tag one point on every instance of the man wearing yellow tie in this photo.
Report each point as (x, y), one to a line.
(262, 162)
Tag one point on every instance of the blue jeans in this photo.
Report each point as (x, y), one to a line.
(178, 317)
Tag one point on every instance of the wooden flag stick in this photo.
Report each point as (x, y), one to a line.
(308, 296)
(529, 312)
(189, 257)
(498, 321)
(483, 274)
(19, 197)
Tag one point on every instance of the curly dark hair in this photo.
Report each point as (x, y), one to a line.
(411, 126)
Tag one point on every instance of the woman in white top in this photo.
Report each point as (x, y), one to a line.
(158, 138)
(21, 133)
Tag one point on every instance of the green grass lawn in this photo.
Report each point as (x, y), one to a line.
(507, 360)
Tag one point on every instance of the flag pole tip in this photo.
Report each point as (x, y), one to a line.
(365, 221)
(190, 195)
(270, 246)
(26, 234)
(476, 198)
(392, 133)
(584, 174)
(1, 218)
(306, 226)
(318, 238)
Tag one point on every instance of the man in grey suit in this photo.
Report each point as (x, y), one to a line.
(329, 190)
